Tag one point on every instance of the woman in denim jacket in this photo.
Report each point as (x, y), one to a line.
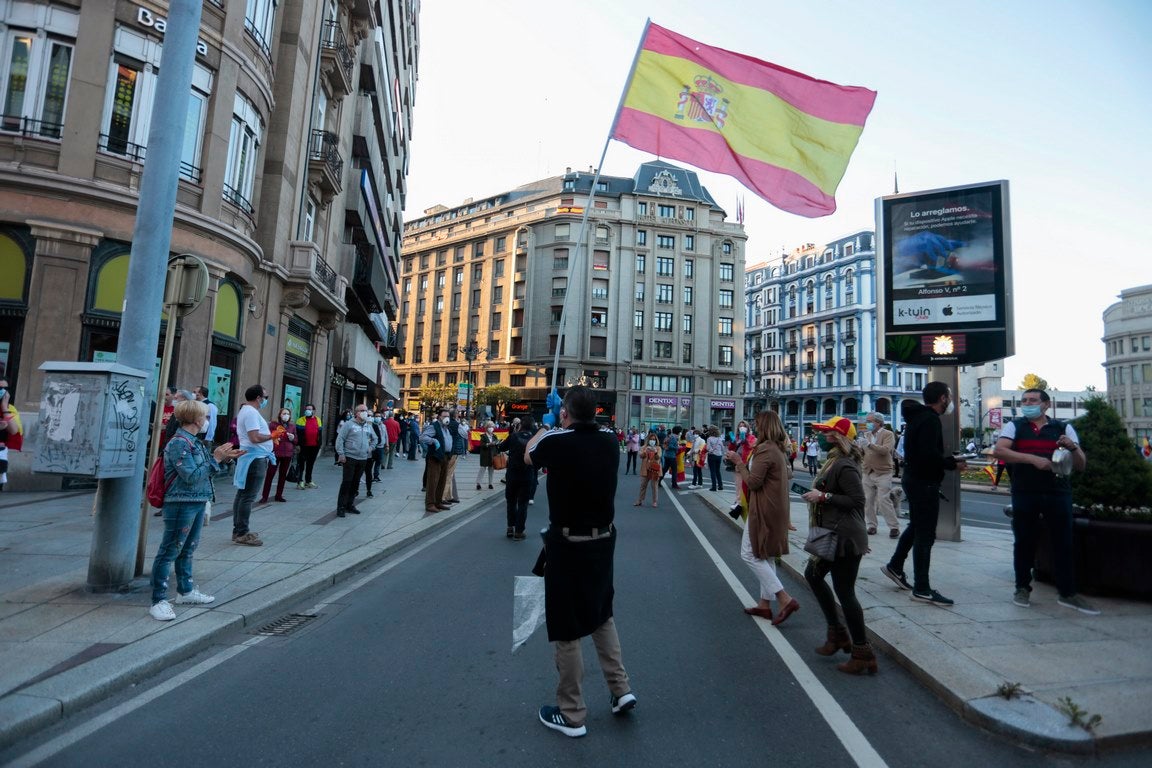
(189, 468)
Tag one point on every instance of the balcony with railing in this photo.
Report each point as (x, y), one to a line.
(308, 271)
(849, 362)
(849, 335)
(30, 128)
(810, 340)
(325, 166)
(136, 153)
(369, 280)
(337, 59)
(792, 345)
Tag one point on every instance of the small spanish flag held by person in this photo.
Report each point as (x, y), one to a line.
(786, 136)
(990, 472)
(1147, 449)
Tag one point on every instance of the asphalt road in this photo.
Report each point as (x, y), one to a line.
(410, 665)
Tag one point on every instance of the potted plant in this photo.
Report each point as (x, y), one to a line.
(1112, 518)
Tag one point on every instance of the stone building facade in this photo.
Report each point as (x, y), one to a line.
(291, 190)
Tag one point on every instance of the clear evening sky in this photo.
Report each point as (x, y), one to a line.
(1054, 96)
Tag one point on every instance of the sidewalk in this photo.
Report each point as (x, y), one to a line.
(62, 648)
(964, 653)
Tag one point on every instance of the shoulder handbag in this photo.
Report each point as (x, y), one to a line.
(822, 542)
(499, 461)
(293, 475)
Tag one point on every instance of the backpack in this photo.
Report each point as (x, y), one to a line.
(158, 483)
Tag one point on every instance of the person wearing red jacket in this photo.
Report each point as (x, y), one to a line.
(393, 428)
(309, 436)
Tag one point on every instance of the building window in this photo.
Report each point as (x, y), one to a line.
(726, 298)
(641, 237)
(666, 211)
(725, 355)
(559, 286)
(688, 295)
(722, 387)
(726, 248)
(501, 244)
(667, 242)
(441, 278)
(686, 357)
(687, 324)
(642, 208)
(456, 301)
(689, 269)
(724, 326)
(689, 242)
(599, 318)
(477, 250)
(309, 228)
(497, 294)
(561, 231)
(638, 349)
(662, 350)
(439, 304)
(727, 272)
(517, 380)
(560, 258)
(664, 293)
(638, 318)
(35, 83)
(662, 321)
(690, 214)
(639, 291)
(243, 147)
(498, 268)
(641, 263)
(665, 266)
(258, 18)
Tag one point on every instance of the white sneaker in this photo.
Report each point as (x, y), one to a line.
(195, 597)
(531, 501)
(162, 611)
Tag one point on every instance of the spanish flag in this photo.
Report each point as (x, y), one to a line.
(786, 136)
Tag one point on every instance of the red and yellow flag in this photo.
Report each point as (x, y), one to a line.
(786, 136)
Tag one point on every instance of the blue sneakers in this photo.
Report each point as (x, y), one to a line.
(553, 718)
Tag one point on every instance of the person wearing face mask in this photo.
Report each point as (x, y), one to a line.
(836, 501)
(1028, 443)
(191, 468)
(486, 446)
(437, 442)
(924, 465)
(372, 469)
(309, 436)
(355, 441)
(878, 444)
(392, 429)
(649, 469)
(255, 439)
(284, 448)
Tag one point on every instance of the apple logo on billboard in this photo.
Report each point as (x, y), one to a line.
(948, 310)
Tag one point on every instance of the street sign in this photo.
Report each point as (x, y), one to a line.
(187, 283)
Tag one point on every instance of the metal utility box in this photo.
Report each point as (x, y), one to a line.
(93, 420)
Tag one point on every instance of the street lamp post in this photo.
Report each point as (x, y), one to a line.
(471, 351)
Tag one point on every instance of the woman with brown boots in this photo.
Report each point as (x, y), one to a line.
(836, 501)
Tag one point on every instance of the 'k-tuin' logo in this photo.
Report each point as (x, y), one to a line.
(701, 102)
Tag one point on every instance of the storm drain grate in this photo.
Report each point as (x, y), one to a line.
(286, 624)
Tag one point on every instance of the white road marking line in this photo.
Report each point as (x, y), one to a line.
(855, 742)
(50, 749)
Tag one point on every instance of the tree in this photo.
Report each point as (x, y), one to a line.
(434, 396)
(1117, 477)
(1032, 381)
(497, 396)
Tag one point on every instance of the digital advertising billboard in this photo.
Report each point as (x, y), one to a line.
(944, 281)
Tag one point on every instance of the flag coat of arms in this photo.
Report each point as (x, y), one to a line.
(784, 135)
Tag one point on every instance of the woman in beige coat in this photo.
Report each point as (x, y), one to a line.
(766, 476)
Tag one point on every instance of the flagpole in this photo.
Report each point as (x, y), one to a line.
(554, 404)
